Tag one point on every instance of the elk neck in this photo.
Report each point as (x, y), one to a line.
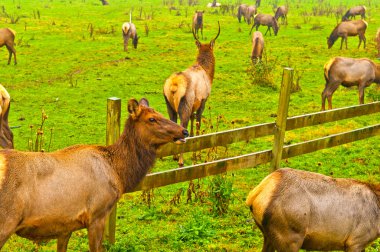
(206, 60)
(130, 157)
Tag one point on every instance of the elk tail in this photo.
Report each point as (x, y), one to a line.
(13, 31)
(175, 88)
(327, 67)
(365, 8)
(365, 22)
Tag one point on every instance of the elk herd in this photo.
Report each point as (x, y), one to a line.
(293, 209)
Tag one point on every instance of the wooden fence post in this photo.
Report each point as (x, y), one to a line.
(282, 115)
(113, 133)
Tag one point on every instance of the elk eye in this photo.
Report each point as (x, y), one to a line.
(152, 119)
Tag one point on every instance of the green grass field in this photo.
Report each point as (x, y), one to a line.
(68, 71)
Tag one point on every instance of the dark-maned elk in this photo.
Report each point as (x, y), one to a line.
(198, 22)
(346, 29)
(282, 12)
(378, 42)
(129, 32)
(50, 195)
(257, 47)
(349, 72)
(247, 12)
(352, 12)
(186, 92)
(266, 20)
(7, 38)
(6, 135)
(304, 210)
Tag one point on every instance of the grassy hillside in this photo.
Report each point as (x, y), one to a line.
(71, 59)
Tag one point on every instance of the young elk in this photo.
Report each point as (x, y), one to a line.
(348, 28)
(49, 195)
(282, 12)
(304, 210)
(7, 38)
(352, 12)
(6, 135)
(198, 22)
(349, 72)
(186, 92)
(129, 31)
(266, 20)
(257, 47)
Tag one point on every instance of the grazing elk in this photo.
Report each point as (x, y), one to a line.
(304, 210)
(346, 29)
(129, 32)
(247, 12)
(282, 12)
(257, 47)
(50, 195)
(266, 20)
(7, 38)
(186, 92)
(352, 12)
(6, 135)
(349, 72)
(198, 22)
(378, 42)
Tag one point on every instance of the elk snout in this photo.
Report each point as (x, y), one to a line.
(182, 140)
(185, 132)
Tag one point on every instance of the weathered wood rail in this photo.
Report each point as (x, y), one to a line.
(278, 128)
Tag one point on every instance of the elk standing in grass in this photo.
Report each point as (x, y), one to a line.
(282, 12)
(186, 92)
(7, 38)
(50, 195)
(266, 20)
(257, 47)
(352, 12)
(129, 32)
(349, 72)
(348, 28)
(198, 22)
(247, 12)
(304, 210)
(6, 135)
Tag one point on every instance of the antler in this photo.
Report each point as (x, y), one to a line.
(217, 35)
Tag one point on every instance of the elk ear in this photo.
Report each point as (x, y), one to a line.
(144, 102)
(198, 43)
(133, 108)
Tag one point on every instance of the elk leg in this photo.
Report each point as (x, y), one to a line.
(95, 235)
(184, 112)
(345, 39)
(341, 43)
(10, 54)
(364, 40)
(63, 242)
(199, 115)
(267, 246)
(361, 93)
(7, 228)
(330, 88)
(360, 41)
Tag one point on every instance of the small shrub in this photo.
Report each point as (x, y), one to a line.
(262, 73)
(220, 194)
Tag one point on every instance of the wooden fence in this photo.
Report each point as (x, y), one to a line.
(278, 129)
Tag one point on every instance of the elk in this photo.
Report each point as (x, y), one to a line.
(352, 12)
(198, 22)
(348, 28)
(247, 12)
(7, 38)
(282, 12)
(297, 209)
(349, 72)
(186, 92)
(258, 2)
(378, 42)
(129, 31)
(50, 195)
(6, 135)
(266, 20)
(257, 47)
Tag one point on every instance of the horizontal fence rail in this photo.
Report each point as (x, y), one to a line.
(224, 138)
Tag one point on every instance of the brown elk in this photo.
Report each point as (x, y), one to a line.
(348, 28)
(349, 72)
(247, 12)
(282, 12)
(352, 12)
(258, 2)
(50, 195)
(7, 38)
(304, 210)
(129, 32)
(257, 46)
(186, 92)
(378, 42)
(198, 22)
(266, 20)
(6, 135)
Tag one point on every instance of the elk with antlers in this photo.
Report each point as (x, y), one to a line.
(186, 92)
(49, 195)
